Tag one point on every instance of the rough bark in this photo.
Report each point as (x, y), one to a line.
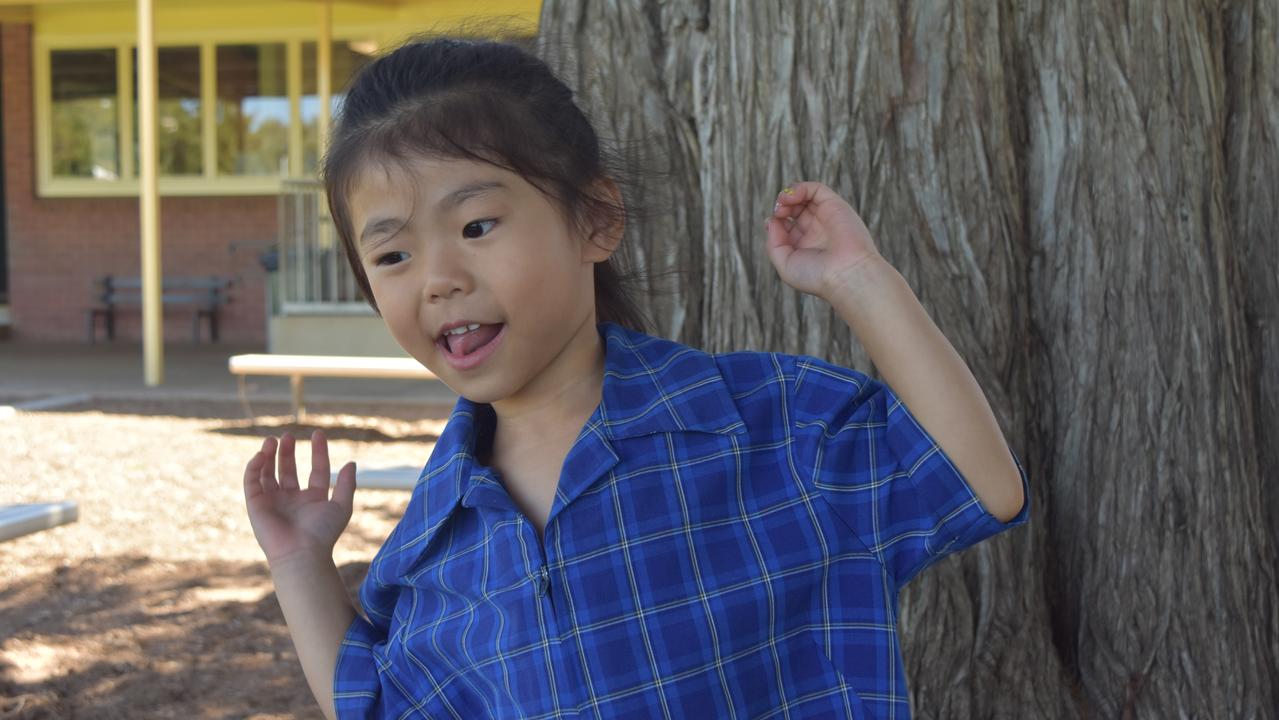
(1082, 195)
(1164, 566)
(1252, 189)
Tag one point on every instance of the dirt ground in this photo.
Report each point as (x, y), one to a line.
(157, 602)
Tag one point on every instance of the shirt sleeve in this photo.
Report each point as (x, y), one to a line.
(362, 656)
(858, 445)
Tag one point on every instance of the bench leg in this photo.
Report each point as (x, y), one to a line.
(244, 398)
(299, 410)
(213, 325)
(106, 315)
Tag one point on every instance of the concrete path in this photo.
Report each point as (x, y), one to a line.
(31, 372)
(49, 376)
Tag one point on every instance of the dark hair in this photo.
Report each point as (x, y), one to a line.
(487, 100)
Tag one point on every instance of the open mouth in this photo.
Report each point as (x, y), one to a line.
(468, 346)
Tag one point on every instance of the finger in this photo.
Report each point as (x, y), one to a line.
(319, 463)
(778, 245)
(288, 464)
(344, 488)
(797, 229)
(803, 192)
(252, 476)
(267, 474)
(805, 221)
(796, 197)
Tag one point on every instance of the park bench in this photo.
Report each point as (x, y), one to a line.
(205, 293)
(19, 520)
(298, 367)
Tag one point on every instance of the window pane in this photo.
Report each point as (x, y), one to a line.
(348, 58)
(178, 111)
(85, 128)
(252, 110)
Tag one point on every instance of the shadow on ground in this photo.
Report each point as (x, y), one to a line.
(367, 532)
(230, 409)
(339, 420)
(129, 637)
(332, 432)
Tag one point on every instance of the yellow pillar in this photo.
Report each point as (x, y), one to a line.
(323, 69)
(323, 87)
(149, 199)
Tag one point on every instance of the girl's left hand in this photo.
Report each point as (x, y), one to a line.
(815, 239)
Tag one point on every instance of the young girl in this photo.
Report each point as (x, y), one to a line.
(612, 524)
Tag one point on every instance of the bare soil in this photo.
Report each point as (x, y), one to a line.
(157, 602)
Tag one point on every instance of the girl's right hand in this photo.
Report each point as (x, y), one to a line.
(286, 519)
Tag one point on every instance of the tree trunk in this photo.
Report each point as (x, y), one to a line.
(1082, 195)
(1252, 186)
(1149, 427)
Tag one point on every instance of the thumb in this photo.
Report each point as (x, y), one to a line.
(778, 245)
(344, 488)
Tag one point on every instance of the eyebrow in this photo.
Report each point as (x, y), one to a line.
(452, 200)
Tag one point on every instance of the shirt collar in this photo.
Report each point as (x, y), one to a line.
(651, 385)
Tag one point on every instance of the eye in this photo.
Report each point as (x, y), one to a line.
(390, 254)
(477, 223)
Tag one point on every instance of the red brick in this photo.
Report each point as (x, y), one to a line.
(57, 247)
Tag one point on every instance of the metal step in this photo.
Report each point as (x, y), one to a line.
(19, 520)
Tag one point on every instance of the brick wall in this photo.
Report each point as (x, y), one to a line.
(57, 246)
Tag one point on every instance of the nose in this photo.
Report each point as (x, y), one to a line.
(446, 272)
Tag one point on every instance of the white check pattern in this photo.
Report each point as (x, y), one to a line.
(727, 540)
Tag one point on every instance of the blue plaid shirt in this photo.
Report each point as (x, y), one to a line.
(727, 540)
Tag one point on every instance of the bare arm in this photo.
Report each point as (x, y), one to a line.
(297, 530)
(930, 377)
(819, 245)
(317, 611)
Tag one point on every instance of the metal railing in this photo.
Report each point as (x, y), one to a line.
(313, 275)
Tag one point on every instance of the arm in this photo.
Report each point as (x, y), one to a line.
(317, 611)
(930, 377)
(820, 246)
(297, 530)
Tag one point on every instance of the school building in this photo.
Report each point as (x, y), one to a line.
(239, 120)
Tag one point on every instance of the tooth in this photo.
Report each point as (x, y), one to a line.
(474, 326)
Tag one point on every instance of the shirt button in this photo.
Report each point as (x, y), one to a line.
(542, 582)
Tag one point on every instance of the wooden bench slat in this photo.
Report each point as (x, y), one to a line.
(298, 367)
(328, 366)
(133, 282)
(119, 298)
(121, 291)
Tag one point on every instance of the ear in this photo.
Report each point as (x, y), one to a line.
(604, 241)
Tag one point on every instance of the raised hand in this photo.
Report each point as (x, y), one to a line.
(815, 239)
(286, 519)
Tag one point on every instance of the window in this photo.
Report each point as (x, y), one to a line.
(85, 116)
(232, 116)
(177, 112)
(253, 110)
(347, 60)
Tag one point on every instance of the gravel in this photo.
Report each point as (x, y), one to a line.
(157, 602)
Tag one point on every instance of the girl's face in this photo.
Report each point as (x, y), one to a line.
(451, 241)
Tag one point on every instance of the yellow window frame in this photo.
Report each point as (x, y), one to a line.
(68, 24)
(210, 182)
